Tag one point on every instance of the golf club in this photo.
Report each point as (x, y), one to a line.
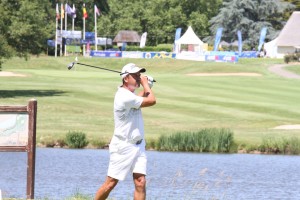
(71, 65)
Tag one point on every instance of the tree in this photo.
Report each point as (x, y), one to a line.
(25, 27)
(159, 18)
(249, 16)
(295, 2)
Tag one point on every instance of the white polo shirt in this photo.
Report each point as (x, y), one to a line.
(129, 124)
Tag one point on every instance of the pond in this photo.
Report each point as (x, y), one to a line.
(61, 173)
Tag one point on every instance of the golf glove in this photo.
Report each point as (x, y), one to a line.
(150, 81)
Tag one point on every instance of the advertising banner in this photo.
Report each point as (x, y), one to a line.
(69, 34)
(218, 38)
(221, 58)
(263, 33)
(106, 54)
(143, 40)
(132, 54)
(177, 36)
(159, 55)
(240, 42)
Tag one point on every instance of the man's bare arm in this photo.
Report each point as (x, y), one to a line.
(147, 93)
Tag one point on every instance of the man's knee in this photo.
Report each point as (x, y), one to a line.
(110, 183)
(140, 182)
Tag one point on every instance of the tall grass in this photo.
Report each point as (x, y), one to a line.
(282, 145)
(206, 140)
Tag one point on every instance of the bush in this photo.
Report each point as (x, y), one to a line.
(76, 139)
(295, 57)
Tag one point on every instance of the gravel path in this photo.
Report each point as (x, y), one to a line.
(279, 70)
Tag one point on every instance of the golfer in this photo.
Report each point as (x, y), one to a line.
(127, 147)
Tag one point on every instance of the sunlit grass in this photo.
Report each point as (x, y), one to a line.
(82, 99)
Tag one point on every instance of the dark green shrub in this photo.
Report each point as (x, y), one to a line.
(76, 139)
(287, 58)
(295, 57)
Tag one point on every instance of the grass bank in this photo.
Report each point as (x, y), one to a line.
(82, 99)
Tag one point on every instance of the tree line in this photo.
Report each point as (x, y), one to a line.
(26, 25)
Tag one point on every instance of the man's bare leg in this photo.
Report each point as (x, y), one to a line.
(140, 186)
(106, 188)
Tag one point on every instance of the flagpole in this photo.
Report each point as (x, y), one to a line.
(73, 19)
(83, 35)
(66, 27)
(56, 24)
(61, 27)
(95, 28)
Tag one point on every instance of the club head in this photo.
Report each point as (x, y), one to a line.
(70, 66)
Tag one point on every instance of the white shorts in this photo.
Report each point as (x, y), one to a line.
(126, 157)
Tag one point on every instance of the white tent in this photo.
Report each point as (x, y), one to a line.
(289, 37)
(271, 48)
(189, 38)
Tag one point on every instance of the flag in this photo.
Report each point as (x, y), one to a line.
(240, 42)
(74, 12)
(69, 10)
(85, 15)
(263, 33)
(218, 38)
(62, 12)
(143, 40)
(177, 36)
(97, 11)
(57, 12)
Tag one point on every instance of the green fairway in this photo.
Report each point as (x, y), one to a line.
(82, 99)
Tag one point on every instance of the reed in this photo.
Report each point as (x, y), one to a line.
(282, 145)
(206, 140)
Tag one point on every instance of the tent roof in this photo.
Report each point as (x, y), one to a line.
(289, 36)
(127, 36)
(189, 37)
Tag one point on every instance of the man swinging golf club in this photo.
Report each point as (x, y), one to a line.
(127, 147)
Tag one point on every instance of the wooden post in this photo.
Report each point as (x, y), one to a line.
(32, 111)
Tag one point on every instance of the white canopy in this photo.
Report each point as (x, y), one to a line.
(271, 48)
(189, 38)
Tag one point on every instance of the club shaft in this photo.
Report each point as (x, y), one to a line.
(98, 67)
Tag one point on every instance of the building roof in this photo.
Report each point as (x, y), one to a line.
(289, 35)
(127, 36)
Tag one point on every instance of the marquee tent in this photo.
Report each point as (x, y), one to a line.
(289, 38)
(271, 48)
(191, 39)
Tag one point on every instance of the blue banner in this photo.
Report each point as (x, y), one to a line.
(240, 42)
(177, 36)
(263, 33)
(51, 43)
(106, 54)
(218, 38)
(90, 35)
(247, 54)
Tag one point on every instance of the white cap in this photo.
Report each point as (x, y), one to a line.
(131, 68)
